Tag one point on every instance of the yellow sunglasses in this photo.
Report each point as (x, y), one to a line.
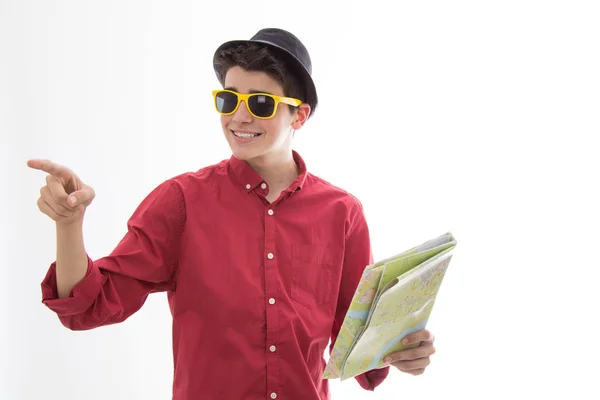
(260, 105)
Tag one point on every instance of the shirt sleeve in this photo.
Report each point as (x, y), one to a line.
(357, 256)
(143, 262)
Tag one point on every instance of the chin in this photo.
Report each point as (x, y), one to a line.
(244, 154)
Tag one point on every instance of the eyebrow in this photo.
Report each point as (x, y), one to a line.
(250, 91)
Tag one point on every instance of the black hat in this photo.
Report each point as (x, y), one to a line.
(287, 46)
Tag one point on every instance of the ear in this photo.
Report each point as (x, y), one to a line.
(302, 114)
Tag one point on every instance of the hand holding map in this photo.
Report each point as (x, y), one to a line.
(394, 298)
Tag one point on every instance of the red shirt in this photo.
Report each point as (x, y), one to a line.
(256, 289)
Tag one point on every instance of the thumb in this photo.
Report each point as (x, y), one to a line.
(72, 200)
(81, 197)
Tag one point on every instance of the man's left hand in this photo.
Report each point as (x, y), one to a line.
(413, 361)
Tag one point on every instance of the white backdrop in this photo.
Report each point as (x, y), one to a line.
(479, 118)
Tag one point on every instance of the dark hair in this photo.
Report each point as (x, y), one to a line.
(255, 57)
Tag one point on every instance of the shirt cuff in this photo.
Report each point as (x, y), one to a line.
(371, 379)
(82, 295)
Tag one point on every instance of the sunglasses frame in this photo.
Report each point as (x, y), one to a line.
(244, 97)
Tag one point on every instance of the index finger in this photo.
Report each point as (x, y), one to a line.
(52, 168)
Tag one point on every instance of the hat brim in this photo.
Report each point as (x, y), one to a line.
(292, 61)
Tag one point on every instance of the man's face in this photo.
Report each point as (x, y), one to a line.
(275, 134)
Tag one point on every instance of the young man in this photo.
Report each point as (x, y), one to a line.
(260, 258)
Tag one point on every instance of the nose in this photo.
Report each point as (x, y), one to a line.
(242, 114)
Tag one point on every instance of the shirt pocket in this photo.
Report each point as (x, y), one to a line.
(312, 274)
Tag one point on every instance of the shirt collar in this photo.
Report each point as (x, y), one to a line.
(249, 179)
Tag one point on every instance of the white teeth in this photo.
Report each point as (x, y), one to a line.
(245, 135)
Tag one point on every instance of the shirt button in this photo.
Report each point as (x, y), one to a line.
(272, 348)
(270, 212)
(273, 395)
(270, 256)
(271, 301)
(248, 186)
(263, 185)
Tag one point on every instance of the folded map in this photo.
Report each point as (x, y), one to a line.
(394, 298)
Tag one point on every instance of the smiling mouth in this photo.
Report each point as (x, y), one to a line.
(245, 135)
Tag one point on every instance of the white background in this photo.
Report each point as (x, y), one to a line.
(475, 117)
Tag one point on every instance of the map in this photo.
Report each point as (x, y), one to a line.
(394, 298)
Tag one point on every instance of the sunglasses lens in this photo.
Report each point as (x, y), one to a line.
(226, 102)
(261, 106)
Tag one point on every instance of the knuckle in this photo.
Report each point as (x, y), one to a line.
(45, 209)
(45, 192)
